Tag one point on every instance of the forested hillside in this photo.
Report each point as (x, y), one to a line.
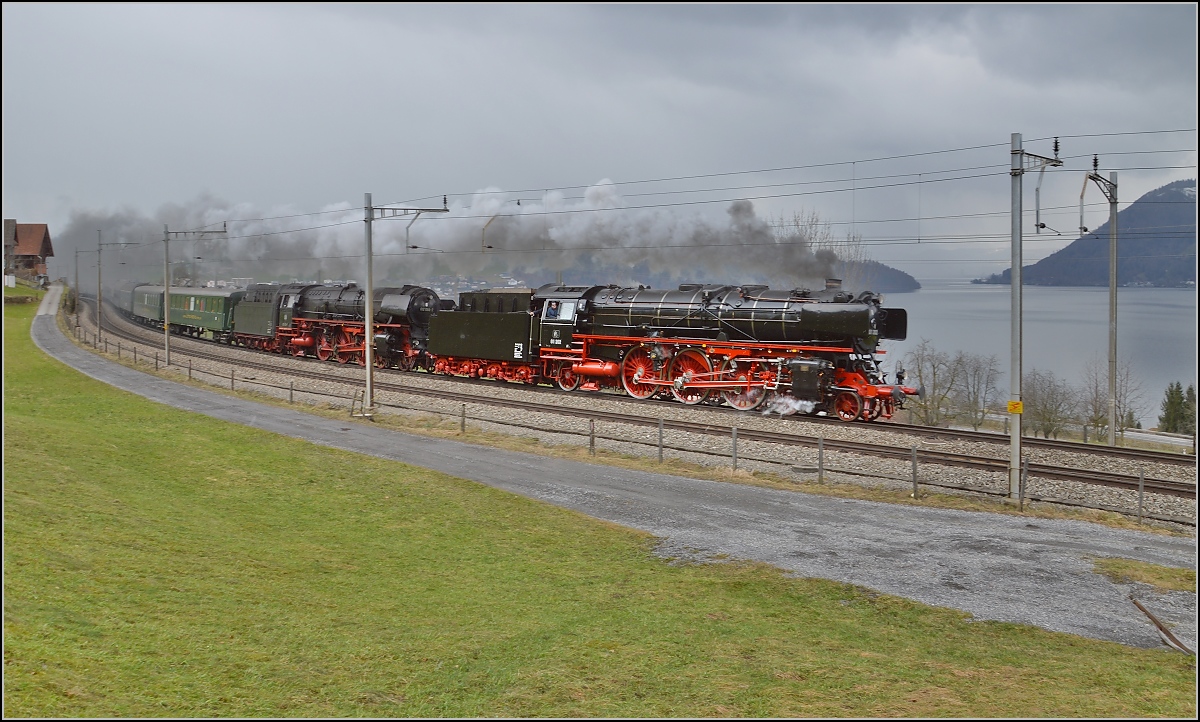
(1156, 246)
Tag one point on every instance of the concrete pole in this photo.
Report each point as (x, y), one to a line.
(1112, 312)
(99, 285)
(369, 312)
(167, 294)
(1014, 462)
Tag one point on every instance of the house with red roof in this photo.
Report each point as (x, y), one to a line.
(26, 248)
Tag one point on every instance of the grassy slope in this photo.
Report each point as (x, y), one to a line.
(163, 564)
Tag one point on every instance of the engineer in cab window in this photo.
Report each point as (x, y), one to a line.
(552, 310)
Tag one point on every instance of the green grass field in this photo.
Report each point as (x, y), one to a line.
(163, 564)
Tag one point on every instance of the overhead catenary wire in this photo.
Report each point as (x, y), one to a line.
(831, 163)
(921, 179)
(720, 174)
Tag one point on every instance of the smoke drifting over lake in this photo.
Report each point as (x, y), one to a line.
(491, 232)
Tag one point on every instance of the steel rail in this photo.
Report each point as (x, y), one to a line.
(929, 456)
(1180, 458)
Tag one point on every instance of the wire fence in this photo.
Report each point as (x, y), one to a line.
(821, 470)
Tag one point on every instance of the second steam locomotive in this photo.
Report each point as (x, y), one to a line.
(800, 351)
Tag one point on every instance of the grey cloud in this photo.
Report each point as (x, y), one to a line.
(306, 106)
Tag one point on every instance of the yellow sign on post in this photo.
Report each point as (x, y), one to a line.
(1016, 407)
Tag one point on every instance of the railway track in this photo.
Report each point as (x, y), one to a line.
(327, 374)
(934, 434)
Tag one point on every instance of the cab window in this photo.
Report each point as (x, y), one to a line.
(560, 311)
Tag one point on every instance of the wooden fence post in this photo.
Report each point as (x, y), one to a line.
(1141, 491)
(914, 471)
(660, 439)
(734, 454)
(820, 459)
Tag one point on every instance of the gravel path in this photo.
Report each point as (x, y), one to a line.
(992, 566)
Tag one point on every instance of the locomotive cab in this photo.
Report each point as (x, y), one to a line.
(287, 306)
(561, 311)
(558, 323)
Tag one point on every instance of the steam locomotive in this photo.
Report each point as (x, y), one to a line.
(799, 351)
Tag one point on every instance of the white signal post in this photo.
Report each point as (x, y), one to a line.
(1022, 163)
(370, 214)
(99, 286)
(167, 296)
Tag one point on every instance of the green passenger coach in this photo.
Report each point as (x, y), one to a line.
(147, 303)
(194, 311)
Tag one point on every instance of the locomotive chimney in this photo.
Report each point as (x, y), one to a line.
(833, 284)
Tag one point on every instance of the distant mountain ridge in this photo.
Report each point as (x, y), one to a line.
(1156, 246)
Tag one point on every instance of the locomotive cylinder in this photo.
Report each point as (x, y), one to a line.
(597, 368)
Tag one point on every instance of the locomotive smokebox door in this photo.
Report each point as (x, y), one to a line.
(810, 378)
(558, 323)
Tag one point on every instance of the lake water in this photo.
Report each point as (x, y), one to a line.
(1063, 329)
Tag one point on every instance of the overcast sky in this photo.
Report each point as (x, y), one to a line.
(127, 117)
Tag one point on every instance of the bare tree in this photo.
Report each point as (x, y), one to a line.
(1050, 403)
(849, 251)
(1129, 396)
(816, 232)
(1094, 394)
(939, 374)
(852, 261)
(977, 389)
